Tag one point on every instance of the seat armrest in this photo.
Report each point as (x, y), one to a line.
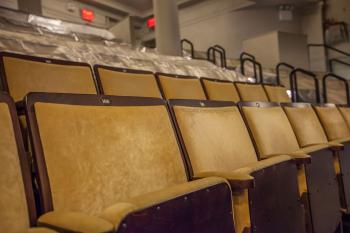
(241, 178)
(74, 222)
(238, 181)
(117, 213)
(336, 146)
(300, 158)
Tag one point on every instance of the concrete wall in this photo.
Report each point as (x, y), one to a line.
(279, 47)
(58, 9)
(268, 56)
(293, 49)
(123, 30)
(12, 4)
(230, 28)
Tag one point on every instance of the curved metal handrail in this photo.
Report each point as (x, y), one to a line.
(325, 89)
(258, 64)
(294, 84)
(278, 71)
(224, 54)
(211, 55)
(186, 41)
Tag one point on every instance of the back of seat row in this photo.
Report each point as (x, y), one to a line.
(22, 74)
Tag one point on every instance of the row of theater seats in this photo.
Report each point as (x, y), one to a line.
(22, 74)
(107, 163)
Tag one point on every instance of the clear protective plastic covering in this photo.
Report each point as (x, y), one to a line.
(52, 38)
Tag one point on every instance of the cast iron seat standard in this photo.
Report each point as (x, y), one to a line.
(21, 74)
(220, 90)
(180, 87)
(277, 93)
(309, 132)
(118, 158)
(273, 135)
(216, 142)
(18, 210)
(251, 92)
(126, 82)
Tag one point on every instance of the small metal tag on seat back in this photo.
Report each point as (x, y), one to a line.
(258, 105)
(202, 104)
(105, 101)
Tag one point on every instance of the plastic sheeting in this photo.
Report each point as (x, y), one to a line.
(38, 36)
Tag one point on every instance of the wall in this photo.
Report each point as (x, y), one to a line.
(230, 28)
(268, 57)
(12, 4)
(312, 27)
(282, 47)
(58, 9)
(123, 31)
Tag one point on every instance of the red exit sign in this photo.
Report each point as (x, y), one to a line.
(151, 23)
(87, 15)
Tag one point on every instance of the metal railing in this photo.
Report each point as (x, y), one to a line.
(325, 86)
(293, 79)
(278, 71)
(258, 79)
(188, 42)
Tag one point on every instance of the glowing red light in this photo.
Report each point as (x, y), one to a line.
(151, 23)
(87, 15)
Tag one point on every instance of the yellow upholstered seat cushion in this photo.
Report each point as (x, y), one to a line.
(181, 88)
(251, 92)
(222, 91)
(271, 130)
(277, 94)
(306, 125)
(109, 153)
(345, 111)
(216, 139)
(128, 84)
(24, 76)
(333, 123)
(13, 204)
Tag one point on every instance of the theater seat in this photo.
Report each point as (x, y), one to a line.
(118, 158)
(126, 82)
(309, 132)
(18, 211)
(180, 87)
(277, 93)
(216, 142)
(251, 92)
(273, 135)
(333, 122)
(220, 90)
(21, 74)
